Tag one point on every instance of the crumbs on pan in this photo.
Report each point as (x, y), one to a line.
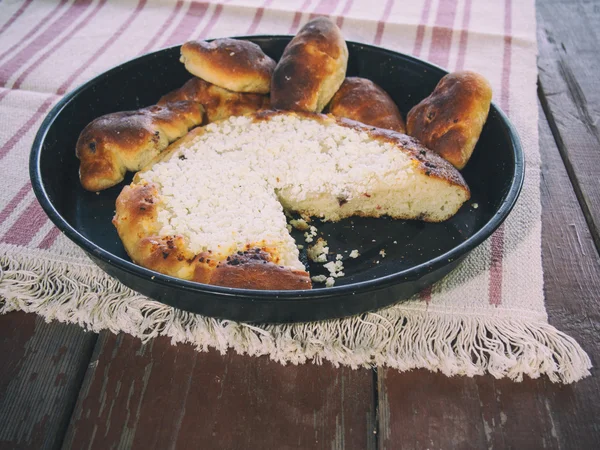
(319, 251)
(336, 268)
(310, 234)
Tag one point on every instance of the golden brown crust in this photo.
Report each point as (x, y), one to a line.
(364, 101)
(254, 268)
(311, 69)
(426, 161)
(450, 120)
(113, 144)
(219, 103)
(236, 65)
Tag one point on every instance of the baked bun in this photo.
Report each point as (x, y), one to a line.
(211, 207)
(113, 144)
(450, 120)
(219, 103)
(362, 100)
(236, 65)
(311, 69)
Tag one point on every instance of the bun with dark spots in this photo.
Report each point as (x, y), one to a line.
(364, 101)
(450, 120)
(311, 69)
(113, 144)
(236, 65)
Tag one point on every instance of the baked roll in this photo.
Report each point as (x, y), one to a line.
(218, 103)
(236, 65)
(450, 120)
(113, 144)
(364, 101)
(311, 69)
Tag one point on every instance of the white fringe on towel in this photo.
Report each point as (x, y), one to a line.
(76, 291)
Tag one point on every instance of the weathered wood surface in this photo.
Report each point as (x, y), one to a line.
(426, 410)
(160, 396)
(41, 370)
(572, 288)
(568, 40)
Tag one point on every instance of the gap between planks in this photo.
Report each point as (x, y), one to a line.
(564, 154)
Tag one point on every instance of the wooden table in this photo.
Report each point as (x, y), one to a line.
(61, 386)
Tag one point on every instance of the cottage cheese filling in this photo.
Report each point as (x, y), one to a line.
(226, 188)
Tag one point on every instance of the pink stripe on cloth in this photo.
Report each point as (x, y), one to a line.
(441, 36)
(340, 20)
(425, 294)
(15, 16)
(464, 37)
(12, 204)
(3, 94)
(163, 28)
(12, 141)
(421, 28)
(298, 17)
(506, 60)
(42, 58)
(211, 22)
(47, 18)
(381, 24)
(49, 238)
(8, 69)
(258, 17)
(324, 8)
(497, 241)
(26, 226)
(194, 14)
(67, 84)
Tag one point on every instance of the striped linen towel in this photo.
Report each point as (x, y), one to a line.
(488, 316)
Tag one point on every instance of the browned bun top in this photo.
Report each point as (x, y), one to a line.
(450, 120)
(311, 69)
(237, 65)
(219, 103)
(111, 145)
(364, 101)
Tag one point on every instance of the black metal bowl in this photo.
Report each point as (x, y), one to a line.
(416, 253)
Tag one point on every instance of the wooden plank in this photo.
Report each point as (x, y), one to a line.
(41, 371)
(572, 288)
(422, 409)
(568, 39)
(163, 396)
